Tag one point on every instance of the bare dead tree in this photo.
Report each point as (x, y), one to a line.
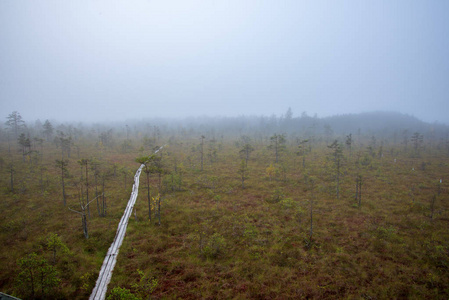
(85, 162)
(83, 213)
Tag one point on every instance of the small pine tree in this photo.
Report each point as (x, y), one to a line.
(337, 155)
(277, 143)
(243, 172)
(55, 244)
(36, 276)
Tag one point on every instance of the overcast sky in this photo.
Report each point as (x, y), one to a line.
(116, 60)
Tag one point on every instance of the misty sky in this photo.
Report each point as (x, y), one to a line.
(116, 60)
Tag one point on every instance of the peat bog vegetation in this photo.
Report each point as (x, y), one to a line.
(351, 206)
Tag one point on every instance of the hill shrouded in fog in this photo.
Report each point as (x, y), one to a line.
(386, 125)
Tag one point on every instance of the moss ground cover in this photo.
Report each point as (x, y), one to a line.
(217, 239)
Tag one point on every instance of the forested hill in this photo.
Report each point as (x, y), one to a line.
(392, 126)
(381, 124)
(380, 121)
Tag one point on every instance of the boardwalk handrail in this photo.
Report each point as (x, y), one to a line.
(104, 277)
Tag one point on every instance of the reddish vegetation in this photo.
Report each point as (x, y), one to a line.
(218, 240)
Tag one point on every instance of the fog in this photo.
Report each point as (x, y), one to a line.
(118, 60)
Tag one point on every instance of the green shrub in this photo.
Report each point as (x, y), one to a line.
(146, 285)
(214, 246)
(119, 293)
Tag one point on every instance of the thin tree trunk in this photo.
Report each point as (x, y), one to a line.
(41, 180)
(276, 149)
(432, 206)
(23, 153)
(311, 212)
(87, 191)
(159, 210)
(9, 145)
(338, 178)
(103, 206)
(202, 153)
(149, 196)
(63, 185)
(311, 218)
(12, 178)
(84, 219)
(360, 190)
(96, 192)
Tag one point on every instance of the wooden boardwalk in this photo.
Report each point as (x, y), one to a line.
(101, 287)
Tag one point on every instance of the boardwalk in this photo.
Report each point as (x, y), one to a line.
(101, 287)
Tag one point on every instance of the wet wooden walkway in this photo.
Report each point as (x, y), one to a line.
(101, 287)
